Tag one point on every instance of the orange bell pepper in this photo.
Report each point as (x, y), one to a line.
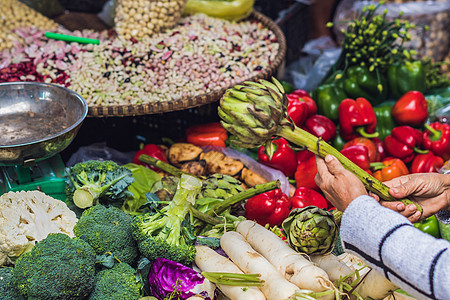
(389, 168)
(210, 134)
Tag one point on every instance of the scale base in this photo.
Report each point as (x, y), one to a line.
(46, 176)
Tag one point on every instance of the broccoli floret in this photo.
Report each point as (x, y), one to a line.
(163, 233)
(108, 229)
(58, 267)
(92, 181)
(119, 283)
(8, 290)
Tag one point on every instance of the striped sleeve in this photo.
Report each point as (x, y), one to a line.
(411, 259)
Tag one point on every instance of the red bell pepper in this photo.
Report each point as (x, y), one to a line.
(426, 163)
(411, 109)
(381, 151)
(278, 155)
(389, 168)
(209, 134)
(357, 117)
(271, 208)
(436, 138)
(404, 143)
(306, 170)
(297, 110)
(320, 126)
(359, 155)
(153, 151)
(304, 96)
(304, 196)
(369, 144)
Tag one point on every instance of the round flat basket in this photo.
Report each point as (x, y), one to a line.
(190, 102)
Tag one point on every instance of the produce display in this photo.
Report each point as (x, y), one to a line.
(231, 210)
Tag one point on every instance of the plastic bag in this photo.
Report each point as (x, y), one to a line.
(307, 72)
(434, 42)
(100, 151)
(108, 13)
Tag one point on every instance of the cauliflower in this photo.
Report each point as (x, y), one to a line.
(27, 218)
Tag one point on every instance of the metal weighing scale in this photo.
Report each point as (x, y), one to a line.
(37, 122)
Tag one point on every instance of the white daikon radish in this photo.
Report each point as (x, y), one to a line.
(208, 260)
(374, 284)
(333, 266)
(275, 286)
(291, 264)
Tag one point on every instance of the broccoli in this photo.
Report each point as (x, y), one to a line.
(162, 233)
(119, 283)
(8, 290)
(58, 267)
(108, 229)
(91, 182)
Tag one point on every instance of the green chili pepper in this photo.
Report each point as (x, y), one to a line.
(329, 95)
(338, 141)
(360, 82)
(430, 225)
(385, 121)
(405, 77)
(444, 230)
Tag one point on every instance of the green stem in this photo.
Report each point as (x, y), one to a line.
(321, 148)
(362, 131)
(162, 165)
(235, 279)
(256, 190)
(435, 134)
(377, 166)
(204, 217)
(420, 151)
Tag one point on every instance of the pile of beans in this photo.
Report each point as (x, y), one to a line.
(15, 14)
(197, 56)
(142, 18)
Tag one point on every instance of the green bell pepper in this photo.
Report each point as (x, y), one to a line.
(430, 225)
(338, 141)
(385, 121)
(328, 96)
(360, 82)
(405, 77)
(444, 229)
(287, 86)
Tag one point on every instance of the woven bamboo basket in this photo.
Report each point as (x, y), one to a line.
(199, 100)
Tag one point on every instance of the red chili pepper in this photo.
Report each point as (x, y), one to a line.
(279, 155)
(271, 208)
(411, 109)
(297, 110)
(358, 154)
(381, 151)
(403, 143)
(369, 144)
(436, 138)
(150, 150)
(426, 163)
(304, 196)
(306, 170)
(209, 134)
(389, 168)
(357, 117)
(321, 126)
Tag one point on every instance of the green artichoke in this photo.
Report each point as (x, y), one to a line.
(311, 230)
(220, 186)
(254, 113)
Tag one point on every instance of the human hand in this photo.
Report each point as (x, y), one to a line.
(429, 190)
(339, 185)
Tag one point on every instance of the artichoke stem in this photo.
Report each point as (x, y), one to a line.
(168, 168)
(321, 148)
(256, 190)
(204, 217)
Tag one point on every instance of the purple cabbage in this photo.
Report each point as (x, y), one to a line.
(167, 276)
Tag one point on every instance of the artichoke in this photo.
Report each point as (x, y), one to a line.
(220, 186)
(311, 230)
(254, 113)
